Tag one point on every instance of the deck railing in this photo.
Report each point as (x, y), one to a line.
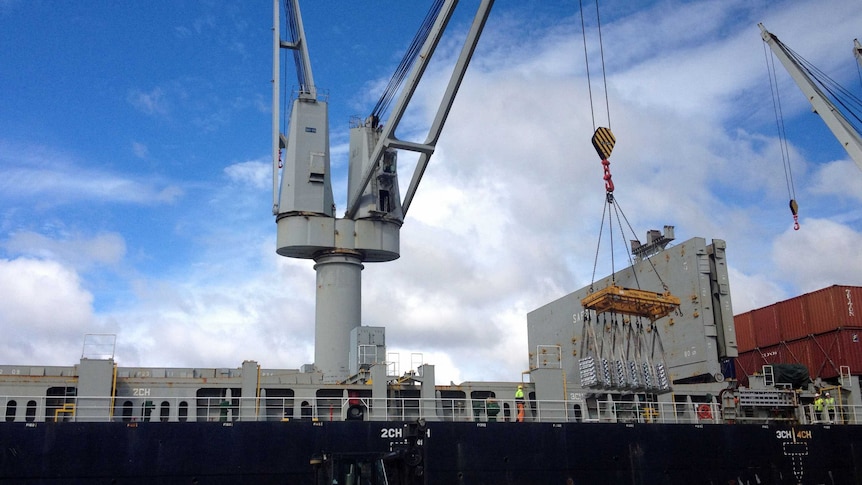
(173, 409)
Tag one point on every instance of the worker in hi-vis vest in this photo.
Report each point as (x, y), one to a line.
(519, 401)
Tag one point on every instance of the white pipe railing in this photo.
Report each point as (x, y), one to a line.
(218, 409)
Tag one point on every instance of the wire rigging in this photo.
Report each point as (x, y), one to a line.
(782, 137)
(587, 63)
(603, 141)
(851, 104)
(293, 33)
(407, 61)
(604, 73)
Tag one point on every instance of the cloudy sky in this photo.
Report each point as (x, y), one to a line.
(135, 190)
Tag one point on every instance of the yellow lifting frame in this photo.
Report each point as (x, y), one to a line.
(631, 302)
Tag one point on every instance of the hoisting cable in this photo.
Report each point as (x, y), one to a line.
(782, 137)
(850, 104)
(587, 63)
(598, 246)
(407, 61)
(603, 139)
(293, 31)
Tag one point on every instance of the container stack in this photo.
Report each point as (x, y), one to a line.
(821, 330)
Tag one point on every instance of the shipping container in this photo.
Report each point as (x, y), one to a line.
(819, 311)
(799, 352)
(836, 349)
(821, 330)
(846, 301)
(748, 363)
(832, 308)
(766, 326)
(744, 324)
(791, 319)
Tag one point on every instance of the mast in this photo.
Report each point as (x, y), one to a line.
(835, 121)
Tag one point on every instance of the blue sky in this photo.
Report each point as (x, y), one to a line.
(135, 178)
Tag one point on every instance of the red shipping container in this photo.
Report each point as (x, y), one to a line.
(847, 301)
(824, 355)
(748, 363)
(819, 311)
(833, 308)
(766, 327)
(850, 346)
(834, 350)
(798, 352)
(744, 326)
(791, 319)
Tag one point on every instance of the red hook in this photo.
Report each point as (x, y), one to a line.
(609, 184)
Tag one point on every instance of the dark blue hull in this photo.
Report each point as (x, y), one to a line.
(451, 453)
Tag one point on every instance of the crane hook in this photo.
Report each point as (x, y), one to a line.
(794, 209)
(609, 184)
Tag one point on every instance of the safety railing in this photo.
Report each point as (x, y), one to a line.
(228, 410)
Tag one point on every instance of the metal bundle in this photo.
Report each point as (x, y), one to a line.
(620, 378)
(661, 374)
(648, 375)
(634, 375)
(605, 376)
(587, 369)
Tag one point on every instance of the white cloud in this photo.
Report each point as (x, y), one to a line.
(139, 149)
(840, 178)
(822, 253)
(75, 250)
(33, 171)
(153, 102)
(257, 174)
(44, 312)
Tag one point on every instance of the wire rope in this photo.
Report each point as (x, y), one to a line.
(587, 62)
(407, 61)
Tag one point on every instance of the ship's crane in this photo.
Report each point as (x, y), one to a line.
(303, 203)
(843, 130)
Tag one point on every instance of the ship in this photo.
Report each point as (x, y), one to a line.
(625, 384)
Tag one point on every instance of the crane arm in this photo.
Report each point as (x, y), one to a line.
(835, 121)
(426, 149)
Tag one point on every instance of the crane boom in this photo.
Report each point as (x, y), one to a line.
(835, 121)
(388, 138)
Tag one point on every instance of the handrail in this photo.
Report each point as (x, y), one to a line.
(228, 410)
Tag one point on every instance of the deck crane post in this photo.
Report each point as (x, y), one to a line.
(370, 228)
(834, 119)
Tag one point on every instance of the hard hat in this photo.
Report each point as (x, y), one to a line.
(827, 393)
(520, 386)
